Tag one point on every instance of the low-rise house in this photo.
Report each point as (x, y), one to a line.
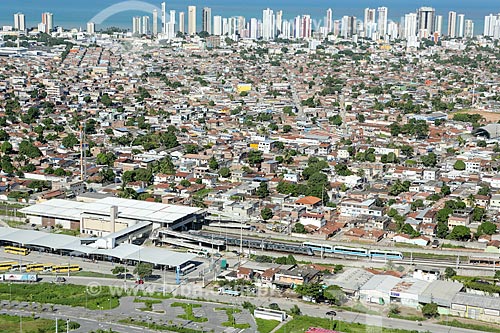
(478, 307)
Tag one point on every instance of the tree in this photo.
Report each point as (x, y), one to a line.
(429, 160)
(254, 157)
(449, 273)
(487, 228)
(143, 269)
(484, 190)
(295, 310)
(28, 149)
(299, 228)
(409, 230)
(459, 165)
(310, 290)
(213, 164)
(442, 230)
(460, 233)
(262, 190)
(225, 172)
(105, 158)
(287, 129)
(185, 183)
(70, 141)
(266, 213)
(445, 190)
(430, 310)
(4, 136)
(335, 294)
(106, 100)
(6, 147)
(107, 175)
(117, 270)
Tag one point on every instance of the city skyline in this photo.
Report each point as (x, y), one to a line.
(396, 12)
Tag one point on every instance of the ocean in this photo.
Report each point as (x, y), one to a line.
(75, 14)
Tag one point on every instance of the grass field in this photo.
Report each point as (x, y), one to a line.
(160, 327)
(301, 323)
(11, 324)
(266, 326)
(66, 294)
(231, 321)
(188, 312)
(475, 327)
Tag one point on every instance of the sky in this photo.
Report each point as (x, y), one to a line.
(75, 14)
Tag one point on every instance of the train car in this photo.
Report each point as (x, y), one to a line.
(319, 247)
(359, 252)
(393, 255)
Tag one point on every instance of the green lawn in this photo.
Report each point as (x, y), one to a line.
(159, 327)
(93, 274)
(266, 326)
(231, 321)
(148, 303)
(188, 312)
(475, 327)
(11, 324)
(301, 323)
(63, 294)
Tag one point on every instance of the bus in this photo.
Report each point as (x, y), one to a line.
(16, 250)
(35, 267)
(65, 268)
(20, 267)
(7, 265)
(187, 269)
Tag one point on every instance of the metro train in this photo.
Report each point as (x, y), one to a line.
(359, 252)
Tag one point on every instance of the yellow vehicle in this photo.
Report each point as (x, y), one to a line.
(35, 267)
(65, 268)
(16, 250)
(7, 265)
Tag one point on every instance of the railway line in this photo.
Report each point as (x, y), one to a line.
(351, 253)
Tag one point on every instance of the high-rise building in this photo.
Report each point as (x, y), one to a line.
(306, 26)
(279, 22)
(329, 21)
(410, 27)
(136, 25)
(19, 22)
(207, 20)
(382, 21)
(425, 21)
(48, 21)
(438, 25)
(469, 29)
(268, 24)
(393, 30)
(225, 26)
(348, 27)
(369, 22)
(192, 20)
(217, 25)
(171, 25)
(182, 22)
(253, 28)
(155, 23)
(286, 31)
(91, 28)
(452, 24)
(489, 25)
(163, 17)
(460, 25)
(145, 30)
(296, 28)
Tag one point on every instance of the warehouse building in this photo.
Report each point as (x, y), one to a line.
(109, 215)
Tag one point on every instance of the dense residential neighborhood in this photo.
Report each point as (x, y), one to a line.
(358, 174)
